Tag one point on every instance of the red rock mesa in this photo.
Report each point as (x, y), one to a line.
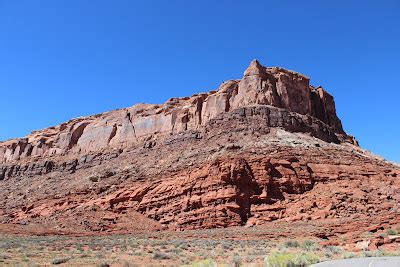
(264, 149)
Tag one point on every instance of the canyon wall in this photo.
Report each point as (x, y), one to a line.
(268, 148)
(260, 86)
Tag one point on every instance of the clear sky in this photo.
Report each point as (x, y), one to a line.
(64, 59)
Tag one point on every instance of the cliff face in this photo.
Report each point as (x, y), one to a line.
(264, 149)
(260, 86)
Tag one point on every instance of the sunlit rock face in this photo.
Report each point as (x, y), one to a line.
(265, 86)
(267, 148)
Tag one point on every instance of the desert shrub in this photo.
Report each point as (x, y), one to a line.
(4, 257)
(85, 255)
(127, 264)
(109, 173)
(309, 245)
(390, 253)
(58, 261)
(204, 263)
(279, 259)
(349, 255)
(94, 179)
(104, 264)
(305, 259)
(79, 247)
(237, 260)
(391, 232)
(137, 252)
(252, 258)
(333, 250)
(94, 208)
(288, 259)
(160, 256)
(375, 253)
(173, 250)
(258, 251)
(226, 246)
(183, 246)
(292, 244)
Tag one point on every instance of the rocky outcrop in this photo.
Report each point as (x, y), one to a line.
(261, 118)
(263, 86)
(251, 190)
(225, 192)
(232, 185)
(268, 148)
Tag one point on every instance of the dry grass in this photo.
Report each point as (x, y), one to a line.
(189, 248)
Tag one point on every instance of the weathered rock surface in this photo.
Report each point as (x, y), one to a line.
(265, 117)
(260, 86)
(268, 148)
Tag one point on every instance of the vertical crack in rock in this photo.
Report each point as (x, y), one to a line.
(241, 176)
(113, 133)
(29, 150)
(227, 104)
(245, 179)
(76, 134)
(22, 145)
(128, 115)
(185, 120)
(3, 173)
(199, 108)
(173, 121)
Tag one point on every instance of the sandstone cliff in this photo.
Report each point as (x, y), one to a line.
(267, 148)
(275, 87)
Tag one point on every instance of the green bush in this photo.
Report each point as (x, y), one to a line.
(204, 263)
(375, 253)
(292, 244)
(349, 255)
(237, 260)
(391, 232)
(309, 245)
(305, 259)
(288, 259)
(333, 250)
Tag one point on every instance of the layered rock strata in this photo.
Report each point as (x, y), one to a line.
(267, 148)
(275, 87)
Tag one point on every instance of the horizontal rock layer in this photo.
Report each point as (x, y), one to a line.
(250, 190)
(259, 118)
(131, 126)
(266, 148)
(241, 172)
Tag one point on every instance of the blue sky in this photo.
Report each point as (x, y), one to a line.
(64, 59)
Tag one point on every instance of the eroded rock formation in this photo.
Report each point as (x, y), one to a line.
(276, 87)
(266, 148)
